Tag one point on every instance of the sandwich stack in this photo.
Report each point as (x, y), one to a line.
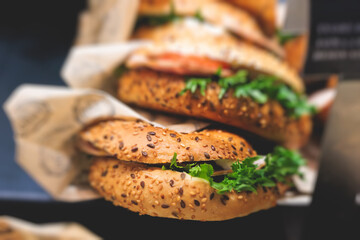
(214, 60)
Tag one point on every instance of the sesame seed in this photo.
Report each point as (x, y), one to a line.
(235, 153)
(144, 153)
(196, 202)
(197, 138)
(178, 139)
(182, 204)
(148, 137)
(151, 145)
(142, 184)
(165, 206)
(206, 155)
(115, 166)
(104, 173)
(181, 191)
(134, 149)
(121, 145)
(212, 196)
(213, 148)
(183, 145)
(152, 133)
(182, 175)
(172, 135)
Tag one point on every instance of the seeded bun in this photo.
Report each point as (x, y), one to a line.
(141, 142)
(160, 91)
(220, 14)
(165, 193)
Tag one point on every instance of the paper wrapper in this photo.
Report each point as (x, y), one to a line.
(106, 21)
(45, 120)
(13, 228)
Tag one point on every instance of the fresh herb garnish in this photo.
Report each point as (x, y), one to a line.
(279, 165)
(192, 84)
(232, 81)
(199, 16)
(119, 71)
(260, 89)
(284, 37)
(175, 167)
(246, 176)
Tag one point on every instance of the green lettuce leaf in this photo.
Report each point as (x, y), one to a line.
(246, 176)
(260, 89)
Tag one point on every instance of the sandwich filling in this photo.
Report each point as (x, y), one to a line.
(249, 174)
(260, 89)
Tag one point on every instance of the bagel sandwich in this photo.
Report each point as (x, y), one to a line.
(219, 79)
(208, 175)
(161, 19)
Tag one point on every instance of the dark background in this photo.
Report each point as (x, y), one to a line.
(35, 37)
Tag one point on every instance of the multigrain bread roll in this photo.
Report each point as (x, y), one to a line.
(139, 141)
(171, 194)
(209, 175)
(235, 22)
(262, 10)
(160, 91)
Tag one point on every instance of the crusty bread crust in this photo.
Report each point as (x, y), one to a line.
(139, 141)
(160, 91)
(170, 194)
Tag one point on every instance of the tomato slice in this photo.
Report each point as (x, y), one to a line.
(188, 65)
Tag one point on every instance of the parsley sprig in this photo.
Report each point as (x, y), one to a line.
(260, 89)
(246, 176)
